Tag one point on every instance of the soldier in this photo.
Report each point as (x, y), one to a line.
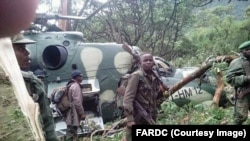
(141, 95)
(238, 75)
(34, 86)
(76, 112)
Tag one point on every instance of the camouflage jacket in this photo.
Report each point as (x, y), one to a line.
(144, 89)
(36, 90)
(236, 75)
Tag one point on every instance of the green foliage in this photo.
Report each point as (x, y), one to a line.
(16, 114)
(201, 114)
(170, 29)
(152, 25)
(13, 124)
(115, 137)
(217, 32)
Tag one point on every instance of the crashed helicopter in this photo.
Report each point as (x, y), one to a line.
(102, 64)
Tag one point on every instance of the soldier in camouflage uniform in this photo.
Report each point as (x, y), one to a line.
(143, 87)
(34, 86)
(238, 76)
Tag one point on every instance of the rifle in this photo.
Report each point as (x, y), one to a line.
(163, 87)
(130, 50)
(57, 17)
(157, 73)
(241, 92)
(143, 113)
(235, 98)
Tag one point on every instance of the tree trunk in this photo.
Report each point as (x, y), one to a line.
(196, 74)
(220, 87)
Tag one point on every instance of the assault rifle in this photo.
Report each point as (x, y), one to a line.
(243, 91)
(143, 113)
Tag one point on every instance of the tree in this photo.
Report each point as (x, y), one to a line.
(153, 25)
(162, 27)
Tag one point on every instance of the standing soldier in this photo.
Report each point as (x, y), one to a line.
(76, 112)
(141, 94)
(238, 75)
(34, 86)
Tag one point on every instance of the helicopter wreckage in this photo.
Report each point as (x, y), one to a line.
(103, 64)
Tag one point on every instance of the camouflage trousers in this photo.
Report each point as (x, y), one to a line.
(241, 108)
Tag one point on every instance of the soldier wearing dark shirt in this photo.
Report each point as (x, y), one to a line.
(142, 89)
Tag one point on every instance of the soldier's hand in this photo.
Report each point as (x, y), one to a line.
(121, 90)
(130, 123)
(163, 87)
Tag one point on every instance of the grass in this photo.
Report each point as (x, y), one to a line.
(13, 125)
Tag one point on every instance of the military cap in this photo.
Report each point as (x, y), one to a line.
(20, 39)
(244, 45)
(76, 73)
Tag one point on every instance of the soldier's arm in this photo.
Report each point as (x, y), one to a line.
(45, 110)
(129, 96)
(236, 75)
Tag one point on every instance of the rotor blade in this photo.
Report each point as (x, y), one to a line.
(57, 17)
(63, 17)
(127, 48)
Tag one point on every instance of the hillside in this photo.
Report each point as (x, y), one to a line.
(238, 6)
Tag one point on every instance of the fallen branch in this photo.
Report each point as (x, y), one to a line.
(103, 130)
(198, 73)
(220, 88)
(117, 125)
(5, 136)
